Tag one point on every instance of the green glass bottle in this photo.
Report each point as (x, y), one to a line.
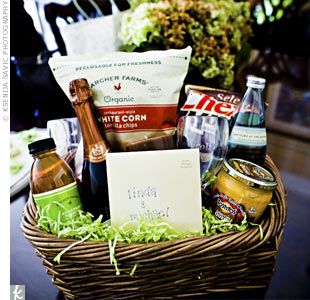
(248, 139)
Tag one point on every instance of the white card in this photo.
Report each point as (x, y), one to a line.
(152, 184)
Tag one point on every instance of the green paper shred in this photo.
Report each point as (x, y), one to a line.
(83, 227)
(112, 255)
(132, 272)
(58, 256)
(213, 225)
(261, 232)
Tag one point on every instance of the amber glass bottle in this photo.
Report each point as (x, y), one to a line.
(94, 174)
(52, 182)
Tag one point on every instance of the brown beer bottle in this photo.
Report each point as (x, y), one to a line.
(52, 182)
(94, 186)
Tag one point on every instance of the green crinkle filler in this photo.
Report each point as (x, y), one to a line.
(82, 227)
(132, 272)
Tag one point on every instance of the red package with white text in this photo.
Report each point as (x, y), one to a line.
(209, 101)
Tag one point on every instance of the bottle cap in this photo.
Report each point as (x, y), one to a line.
(41, 145)
(255, 82)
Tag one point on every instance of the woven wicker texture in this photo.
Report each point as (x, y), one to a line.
(190, 267)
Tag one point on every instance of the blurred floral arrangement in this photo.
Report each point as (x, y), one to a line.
(217, 30)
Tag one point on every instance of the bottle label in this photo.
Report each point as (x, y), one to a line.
(248, 136)
(97, 152)
(61, 203)
(225, 207)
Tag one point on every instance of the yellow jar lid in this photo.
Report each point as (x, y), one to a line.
(249, 173)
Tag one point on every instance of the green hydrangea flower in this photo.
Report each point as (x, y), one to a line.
(217, 30)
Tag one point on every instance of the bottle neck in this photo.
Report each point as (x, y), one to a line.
(250, 111)
(95, 147)
(252, 101)
(44, 153)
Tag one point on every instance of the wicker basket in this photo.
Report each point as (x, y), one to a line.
(190, 267)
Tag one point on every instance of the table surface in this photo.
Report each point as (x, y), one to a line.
(26, 267)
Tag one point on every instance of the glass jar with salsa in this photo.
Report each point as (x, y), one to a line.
(242, 188)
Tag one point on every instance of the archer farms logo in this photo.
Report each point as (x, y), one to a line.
(17, 292)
